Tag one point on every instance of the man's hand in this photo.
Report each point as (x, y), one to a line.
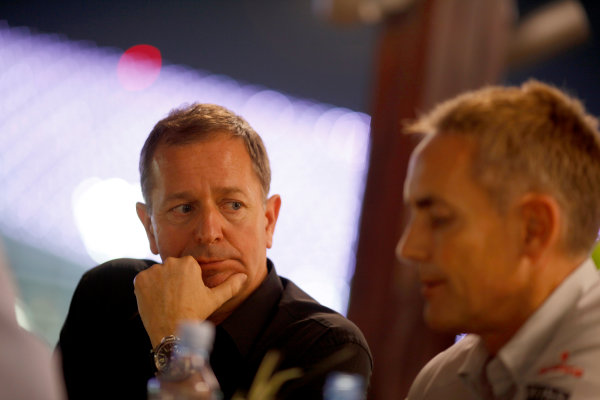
(174, 291)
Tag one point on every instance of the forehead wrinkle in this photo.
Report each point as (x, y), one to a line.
(221, 191)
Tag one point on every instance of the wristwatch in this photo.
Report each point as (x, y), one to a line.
(163, 359)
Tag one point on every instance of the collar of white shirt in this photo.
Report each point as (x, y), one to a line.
(510, 366)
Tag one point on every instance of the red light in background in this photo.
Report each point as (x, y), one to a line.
(139, 67)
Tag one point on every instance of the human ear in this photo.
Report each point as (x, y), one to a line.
(146, 219)
(541, 220)
(272, 206)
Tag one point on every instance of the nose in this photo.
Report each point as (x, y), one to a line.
(209, 226)
(412, 246)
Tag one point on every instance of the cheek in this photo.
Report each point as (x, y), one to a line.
(454, 252)
(246, 237)
(172, 242)
(462, 261)
(253, 241)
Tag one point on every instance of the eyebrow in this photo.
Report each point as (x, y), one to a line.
(223, 191)
(230, 190)
(427, 202)
(178, 196)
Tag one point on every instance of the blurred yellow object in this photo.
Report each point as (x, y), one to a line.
(596, 255)
(266, 384)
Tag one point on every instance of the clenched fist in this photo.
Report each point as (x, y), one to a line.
(174, 291)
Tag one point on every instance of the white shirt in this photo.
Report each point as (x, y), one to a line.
(26, 369)
(555, 355)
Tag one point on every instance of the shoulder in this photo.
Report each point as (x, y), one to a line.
(114, 272)
(307, 327)
(317, 339)
(104, 301)
(579, 328)
(305, 312)
(571, 359)
(103, 298)
(588, 307)
(441, 372)
(118, 267)
(103, 332)
(109, 283)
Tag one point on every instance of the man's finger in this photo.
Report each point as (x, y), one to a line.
(229, 288)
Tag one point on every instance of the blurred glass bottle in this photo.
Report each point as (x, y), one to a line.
(344, 386)
(189, 376)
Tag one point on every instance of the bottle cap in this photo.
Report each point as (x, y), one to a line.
(197, 335)
(341, 385)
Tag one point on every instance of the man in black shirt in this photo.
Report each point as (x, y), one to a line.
(205, 178)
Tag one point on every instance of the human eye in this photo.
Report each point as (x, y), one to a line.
(234, 205)
(182, 209)
(440, 220)
(440, 216)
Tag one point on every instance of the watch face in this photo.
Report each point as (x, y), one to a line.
(164, 353)
(168, 364)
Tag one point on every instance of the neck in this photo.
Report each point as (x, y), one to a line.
(495, 341)
(543, 283)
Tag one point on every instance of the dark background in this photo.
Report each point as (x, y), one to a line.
(280, 44)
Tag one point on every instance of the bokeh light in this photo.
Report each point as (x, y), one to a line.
(139, 67)
(71, 137)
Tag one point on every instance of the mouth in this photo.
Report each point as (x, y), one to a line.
(430, 287)
(208, 261)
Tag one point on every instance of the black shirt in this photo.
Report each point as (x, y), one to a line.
(106, 350)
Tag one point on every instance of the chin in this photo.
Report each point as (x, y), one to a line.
(215, 279)
(440, 322)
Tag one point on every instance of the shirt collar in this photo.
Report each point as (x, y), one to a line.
(536, 332)
(245, 324)
(475, 360)
(516, 356)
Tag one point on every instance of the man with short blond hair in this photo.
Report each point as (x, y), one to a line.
(504, 194)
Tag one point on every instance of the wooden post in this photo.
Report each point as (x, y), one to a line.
(434, 51)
